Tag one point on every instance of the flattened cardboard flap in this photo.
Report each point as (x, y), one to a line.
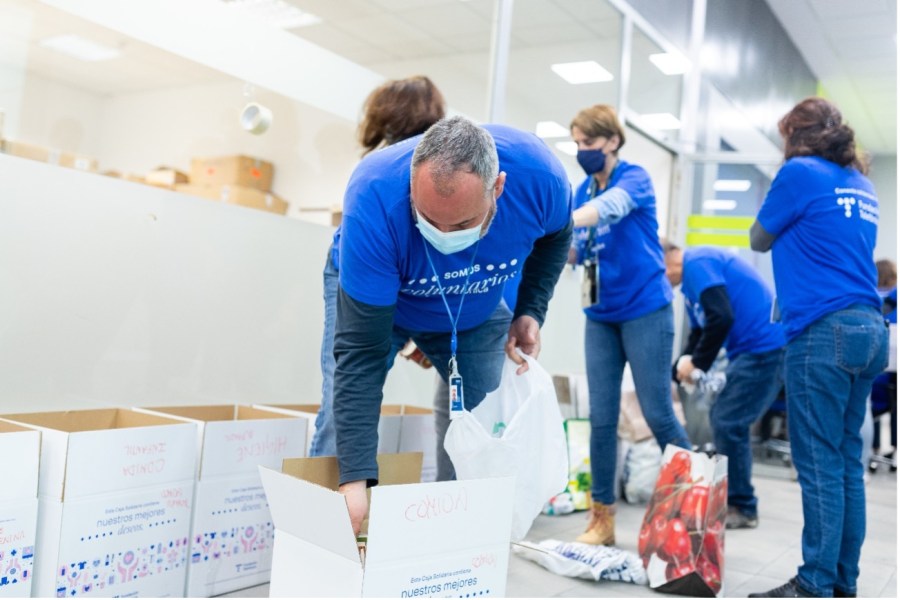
(311, 513)
(393, 469)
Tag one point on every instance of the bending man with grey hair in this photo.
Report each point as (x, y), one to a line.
(435, 229)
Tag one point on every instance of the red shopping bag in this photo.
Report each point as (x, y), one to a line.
(682, 538)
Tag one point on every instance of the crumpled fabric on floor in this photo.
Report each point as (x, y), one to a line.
(584, 561)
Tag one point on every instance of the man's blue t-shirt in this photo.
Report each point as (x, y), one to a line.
(382, 253)
(632, 272)
(750, 298)
(825, 218)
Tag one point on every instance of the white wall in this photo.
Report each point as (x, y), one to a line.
(121, 294)
(314, 152)
(57, 115)
(883, 173)
(116, 293)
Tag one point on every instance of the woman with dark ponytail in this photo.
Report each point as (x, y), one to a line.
(820, 219)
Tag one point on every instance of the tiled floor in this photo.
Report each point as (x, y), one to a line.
(755, 560)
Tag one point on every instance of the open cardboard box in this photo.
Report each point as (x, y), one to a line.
(401, 428)
(20, 448)
(444, 539)
(115, 493)
(231, 530)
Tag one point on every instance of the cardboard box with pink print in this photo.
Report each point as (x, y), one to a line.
(20, 451)
(401, 428)
(231, 529)
(445, 539)
(115, 494)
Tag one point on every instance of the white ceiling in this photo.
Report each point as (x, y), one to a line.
(850, 46)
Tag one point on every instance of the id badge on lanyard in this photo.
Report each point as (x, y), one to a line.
(455, 383)
(454, 379)
(590, 284)
(590, 277)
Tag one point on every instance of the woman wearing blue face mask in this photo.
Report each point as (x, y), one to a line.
(627, 301)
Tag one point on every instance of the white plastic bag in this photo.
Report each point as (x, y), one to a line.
(516, 430)
(641, 470)
(585, 561)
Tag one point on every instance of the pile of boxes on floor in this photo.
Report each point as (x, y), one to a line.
(169, 502)
(240, 180)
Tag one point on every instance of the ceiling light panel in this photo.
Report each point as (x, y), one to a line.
(670, 63)
(570, 148)
(550, 129)
(276, 12)
(731, 185)
(576, 73)
(716, 204)
(80, 48)
(660, 121)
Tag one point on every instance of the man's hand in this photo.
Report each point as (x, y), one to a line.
(524, 333)
(357, 503)
(685, 368)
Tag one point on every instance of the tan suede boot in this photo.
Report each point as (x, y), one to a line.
(601, 531)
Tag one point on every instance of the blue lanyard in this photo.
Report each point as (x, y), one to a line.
(462, 297)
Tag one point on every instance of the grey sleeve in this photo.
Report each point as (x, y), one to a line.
(760, 239)
(612, 206)
(541, 272)
(362, 341)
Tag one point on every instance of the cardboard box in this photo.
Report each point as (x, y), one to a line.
(21, 449)
(115, 494)
(233, 170)
(445, 539)
(572, 395)
(231, 530)
(236, 194)
(48, 155)
(401, 428)
(166, 177)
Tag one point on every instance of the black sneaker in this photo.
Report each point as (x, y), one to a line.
(839, 593)
(735, 519)
(791, 589)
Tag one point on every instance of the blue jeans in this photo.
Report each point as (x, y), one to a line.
(752, 381)
(829, 370)
(646, 344)
(324, 442)
(480, 356)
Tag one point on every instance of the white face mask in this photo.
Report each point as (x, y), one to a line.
(449, 242)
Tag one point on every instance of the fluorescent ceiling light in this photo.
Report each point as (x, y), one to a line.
(80, 48)
(276, 12)
(731, 185)
(660, 121)
(719, 204)
(670, 63)
(588, 71)
(550, 129)
(570, 148)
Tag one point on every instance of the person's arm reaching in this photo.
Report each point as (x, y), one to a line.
(719, 319)
(362, 341)
(539, 276)
(608, 208)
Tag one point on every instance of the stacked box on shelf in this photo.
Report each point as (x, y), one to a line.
(235, 194)
(232, 531)
(241, 180)
(52, 156)
(401, 428)
(115, 494)
(21, 449)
